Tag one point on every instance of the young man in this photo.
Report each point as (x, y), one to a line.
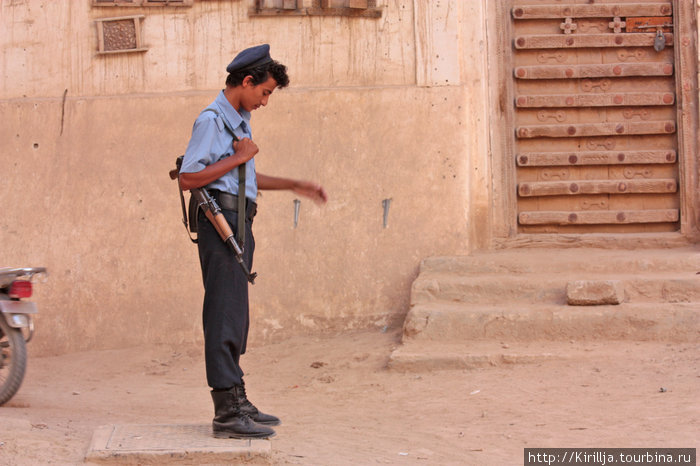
(213, 160)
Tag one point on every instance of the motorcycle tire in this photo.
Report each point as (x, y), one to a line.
(13, 360)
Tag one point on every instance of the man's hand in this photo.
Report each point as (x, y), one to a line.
(245, 149)
(313, 191)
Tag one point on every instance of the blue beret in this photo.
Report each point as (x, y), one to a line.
(250, 58)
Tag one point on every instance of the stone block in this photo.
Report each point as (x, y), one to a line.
(594, 292)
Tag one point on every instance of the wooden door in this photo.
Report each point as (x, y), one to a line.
(595, 117)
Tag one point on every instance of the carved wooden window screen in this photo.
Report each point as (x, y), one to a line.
(361, 8)
(134, 3)
(595, 117)
(120, 35)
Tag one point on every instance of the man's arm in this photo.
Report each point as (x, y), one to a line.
(308, 189)
(245, 149)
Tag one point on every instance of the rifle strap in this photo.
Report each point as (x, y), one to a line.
(184, 211)
(240, 227)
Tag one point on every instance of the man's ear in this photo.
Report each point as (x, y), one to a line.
(247, 81)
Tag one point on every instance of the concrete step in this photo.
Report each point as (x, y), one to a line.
(580, 260)
(455, 322)
(671, 287)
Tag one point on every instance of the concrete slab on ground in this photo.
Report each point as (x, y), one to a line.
(167, 443)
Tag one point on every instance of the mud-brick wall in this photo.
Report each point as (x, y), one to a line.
(378, 109)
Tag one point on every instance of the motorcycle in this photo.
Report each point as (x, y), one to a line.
(16, 326)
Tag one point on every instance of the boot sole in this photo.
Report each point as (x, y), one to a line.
(269, 423)
(241, 436)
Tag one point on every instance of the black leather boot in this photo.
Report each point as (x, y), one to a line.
(231, 422)
(255, 414)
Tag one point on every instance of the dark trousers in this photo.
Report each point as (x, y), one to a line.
(225, 313)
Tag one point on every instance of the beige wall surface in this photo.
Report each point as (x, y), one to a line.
(50, 46)
(390, 108)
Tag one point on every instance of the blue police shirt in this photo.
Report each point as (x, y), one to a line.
(211, 141)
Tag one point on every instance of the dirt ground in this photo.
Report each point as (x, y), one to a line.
(340, 405)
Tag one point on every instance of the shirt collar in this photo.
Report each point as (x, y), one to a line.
(233, 117)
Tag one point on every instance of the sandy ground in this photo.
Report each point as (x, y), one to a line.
(341, 405)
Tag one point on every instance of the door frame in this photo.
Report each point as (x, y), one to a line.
(503, 218)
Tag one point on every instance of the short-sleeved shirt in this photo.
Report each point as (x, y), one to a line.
(211, 141)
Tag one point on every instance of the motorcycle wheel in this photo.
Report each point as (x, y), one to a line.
(13, 360)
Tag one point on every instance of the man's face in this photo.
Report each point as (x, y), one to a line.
(253, 96)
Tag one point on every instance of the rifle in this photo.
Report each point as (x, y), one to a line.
(213, 212)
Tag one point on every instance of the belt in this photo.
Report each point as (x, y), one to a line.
(229, 201)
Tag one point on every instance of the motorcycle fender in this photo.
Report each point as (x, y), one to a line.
(17, 307)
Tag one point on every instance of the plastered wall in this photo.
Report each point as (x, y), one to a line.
(378, 109)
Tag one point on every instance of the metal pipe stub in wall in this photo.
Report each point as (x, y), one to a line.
(297, 205)
(386, 204)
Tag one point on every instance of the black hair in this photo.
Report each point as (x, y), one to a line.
(260, 74)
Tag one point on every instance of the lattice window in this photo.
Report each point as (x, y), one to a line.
(167, 2)
(344, 3)
(132, 3)
(362, 8)
(116, 2)
(120, 35)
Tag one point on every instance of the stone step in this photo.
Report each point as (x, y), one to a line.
(527, 295)
(418, 356)
(429, 287)
(669, 287)
(568, 260)
(455, 322)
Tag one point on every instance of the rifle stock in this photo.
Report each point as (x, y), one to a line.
(213, 213)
